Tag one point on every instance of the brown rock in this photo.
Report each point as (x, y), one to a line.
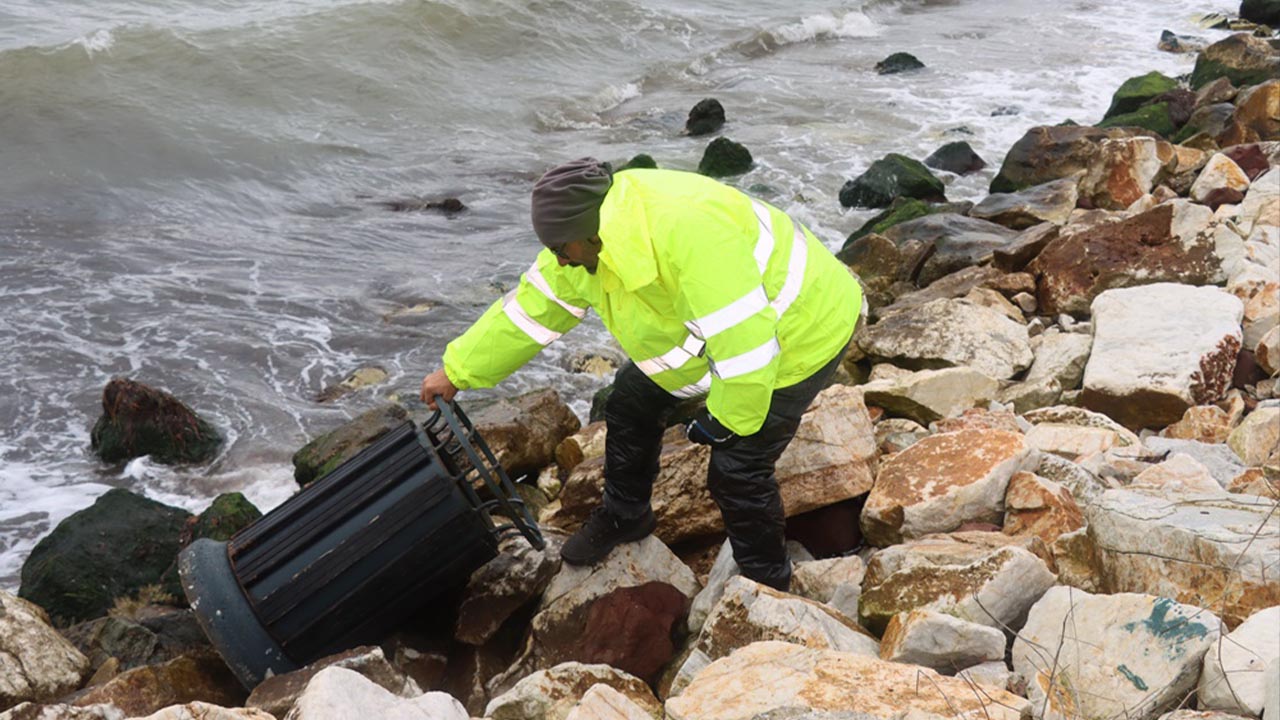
(1050, 202)
(147, 689)
(278, 693)
(1024, 248)
(1126, 169)
(523, 431)
(1048, 153)
(513, 579)
(1039, 507)
(1203, 423)
(942, 482)
(586, 444)
(1255, 481)
(1258, 111)
(1075, 269)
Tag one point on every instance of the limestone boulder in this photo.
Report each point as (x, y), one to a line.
(994, 674)
(140, 420)
(1166, 244)
(1213, 552)
(983, 577)
(1261, 309)
(955, 157)
(951, 242)
(1050, 202)
(340, 694)
(36, 663)
(277, 694)
(1180, 475)
(34, 711)
(941, 483)
(1038, 507)
(1267, 351)
(552, 694)
(929, 395)
(1235, 668)
(1257, 440)
(141, 691)
(724, 569)
(205, 711)
(954, 286)
(1024, 248)
(620, 612)
(586, 444)
(949, 333)
(830, 581)
(510, 581)
(1194, 366)
(1223, 464)
(1256, 481)
(604, 703)
(111, 549)
(770, 676)
(1221, 181)
(831, 459)
(1262, 203)
(1202, 423)
(1241, 58)
(749, 612)
(1071, 442)
(1050, 152)
(1124, 170)
(940, 641)
(1137, 656)
(1257, 115)
(1059, 364)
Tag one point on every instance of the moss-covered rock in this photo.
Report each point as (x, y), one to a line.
(1150, 117)
(900, 210)
(324, 454)
(898, 62)
(227, 515)
(642, 161)
(890, 177)
(1136, 91)
(725, 157)
(139, 420)
(1242, 59)
(114, 548)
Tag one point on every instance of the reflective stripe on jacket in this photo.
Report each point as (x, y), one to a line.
(706, 289)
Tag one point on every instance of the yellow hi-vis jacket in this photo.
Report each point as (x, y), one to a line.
(705, 288)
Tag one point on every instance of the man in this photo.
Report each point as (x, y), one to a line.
(709, 292)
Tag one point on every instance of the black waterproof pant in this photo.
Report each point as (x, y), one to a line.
(740, 477)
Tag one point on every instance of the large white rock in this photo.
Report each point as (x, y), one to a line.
(1099, 656)
(33, 711)
(1218, 552)
(1160, 349)
(604, 703)
(1221, 173)
(205, 711)
(1179, 475)
(983, 577)
(940, 641)
(1272, 711)
(1257, 438)
(340, 694)
(552, 694)
(749, 612)
(723, 569)
(1223, 464)
(951, 333)
(1235, 668)
(942, 482)
(1059, 366)
(930, 395)
(36, 662)
(1261, 204)
(772, 676)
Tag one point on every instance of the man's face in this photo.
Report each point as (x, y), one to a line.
(580, 253)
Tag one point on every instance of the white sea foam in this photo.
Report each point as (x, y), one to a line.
(854, 24)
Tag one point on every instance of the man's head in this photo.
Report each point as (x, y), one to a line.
(566, 210)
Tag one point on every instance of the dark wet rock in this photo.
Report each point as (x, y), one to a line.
(642, 161)
(1138, 91)
(1047, 153)
(112, 549)
(901, 210)
(1212, 120)
(1006, 111)
(1218, 91)
(957, 242)
(1242, 59)
(325, 453)
(151, 635)
(227, 515)
(1050, 202)
(449, 206)
(1171, 42)
(1265, 12)
(1144, 249)
(955, 157)
(1151, 117)
(705, 118)
(891, 177)
(1181, 102)
(898, 62)
(724, 157)
(523, 431)
(1023, 249)
(139, 420)
(202, 677)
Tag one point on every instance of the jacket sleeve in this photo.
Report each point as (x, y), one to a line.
(538, 311)
(722, 300)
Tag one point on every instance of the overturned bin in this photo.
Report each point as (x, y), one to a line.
(353, 555)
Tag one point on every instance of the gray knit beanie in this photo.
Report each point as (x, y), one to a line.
(567, 199)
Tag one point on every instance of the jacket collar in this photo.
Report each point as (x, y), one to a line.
(626, 259)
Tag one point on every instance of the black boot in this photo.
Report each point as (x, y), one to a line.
(602, 532)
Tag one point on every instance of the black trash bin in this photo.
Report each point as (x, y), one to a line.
(353, 555)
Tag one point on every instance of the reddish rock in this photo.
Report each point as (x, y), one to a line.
(1250, 158)
(630, 628)
(145, 690)
(1075, 269)
(1048, 153)
(1039, 507)
(1124, 170)
(829, 531)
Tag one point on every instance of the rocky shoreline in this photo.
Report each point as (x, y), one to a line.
(1046, 483)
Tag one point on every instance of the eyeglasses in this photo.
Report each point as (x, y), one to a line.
(560, 253)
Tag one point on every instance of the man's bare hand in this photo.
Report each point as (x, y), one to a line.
(437, 384)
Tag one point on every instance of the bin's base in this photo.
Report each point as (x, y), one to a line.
(226, 616)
